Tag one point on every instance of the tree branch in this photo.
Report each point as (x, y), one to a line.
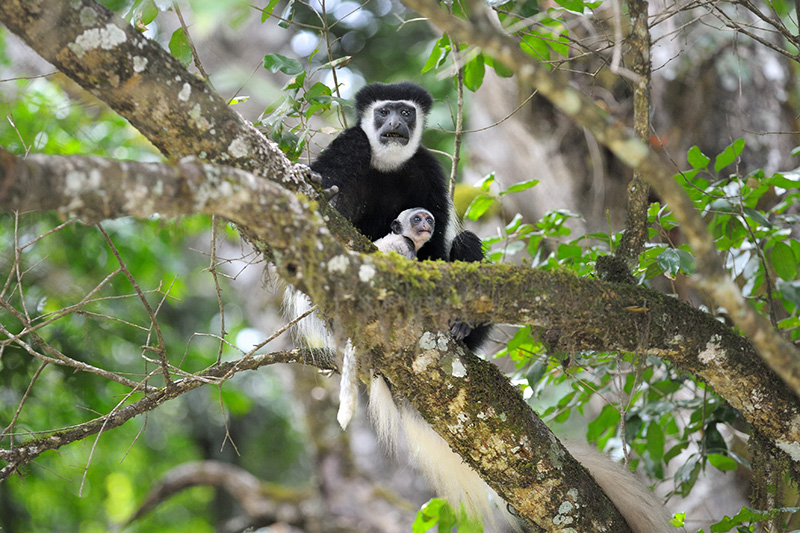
(575, 312)
(28, 451)
(780, 355)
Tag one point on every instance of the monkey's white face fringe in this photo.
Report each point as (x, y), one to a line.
(389, 157)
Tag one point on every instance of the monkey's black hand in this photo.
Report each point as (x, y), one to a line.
(331, 191)
(459, 330)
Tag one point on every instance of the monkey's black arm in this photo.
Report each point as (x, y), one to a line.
(344, 163)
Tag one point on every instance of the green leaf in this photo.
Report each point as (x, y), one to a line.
(655, 441)
(783, 261)
(536, 372)
(287, 15)
(479, 205)
(485, 183)
(440, 51)
(277, 62)
(568, 251)
(179, 47)
(535, 46)
(779, 180)
(686, 261)
(722, 462)
(758, 217)
(149, 12)
(697, 159)
(267, 12)
(729, 155)
(670, 261)
(572, 5)
(474, 71)
(521, 186)
(499, 68)
(608, 418)
(790, 290)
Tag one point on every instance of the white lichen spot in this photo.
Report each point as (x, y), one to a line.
(88, 17)
(200, 122)
(713, 351)
(458, 370)
(186, 92)
(441, 342)
(792, 449)
(366, 273)
(561, 520)
(573, 493)
(427, 341)
(569, 102)
(105, 38)
(139, 63)
(239, 148)
(338, 264)
(565, 508)
(76, 182)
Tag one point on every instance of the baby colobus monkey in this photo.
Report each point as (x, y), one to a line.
(410, 231)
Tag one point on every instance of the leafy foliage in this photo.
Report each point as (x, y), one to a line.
(634, 406)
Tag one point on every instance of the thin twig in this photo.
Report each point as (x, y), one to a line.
(189, 41)
(161, 346)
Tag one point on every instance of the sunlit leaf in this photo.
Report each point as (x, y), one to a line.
(697, 158)
(279, 63)
(474, 70)
(179, 47)
(729, 155)
(480, 204)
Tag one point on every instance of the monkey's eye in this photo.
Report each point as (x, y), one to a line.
(406, 113)
(383, 111)
(429, 220)
(417, 219)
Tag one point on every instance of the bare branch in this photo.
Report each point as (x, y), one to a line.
(28, 451)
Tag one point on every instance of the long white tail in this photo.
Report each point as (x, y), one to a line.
(348, 387)
(454, 480)
(641, 508)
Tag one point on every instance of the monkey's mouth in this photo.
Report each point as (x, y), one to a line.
(394, 137)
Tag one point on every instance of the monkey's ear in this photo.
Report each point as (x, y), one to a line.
(397, 227)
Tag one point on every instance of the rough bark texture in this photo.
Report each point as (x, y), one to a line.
(780, 355)
(581, 309)
(524, 463)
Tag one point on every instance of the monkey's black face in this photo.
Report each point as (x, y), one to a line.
(394, 122)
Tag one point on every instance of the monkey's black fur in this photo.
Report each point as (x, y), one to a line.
(370, 198)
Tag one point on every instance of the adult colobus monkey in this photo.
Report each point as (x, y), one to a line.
(380, 170)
